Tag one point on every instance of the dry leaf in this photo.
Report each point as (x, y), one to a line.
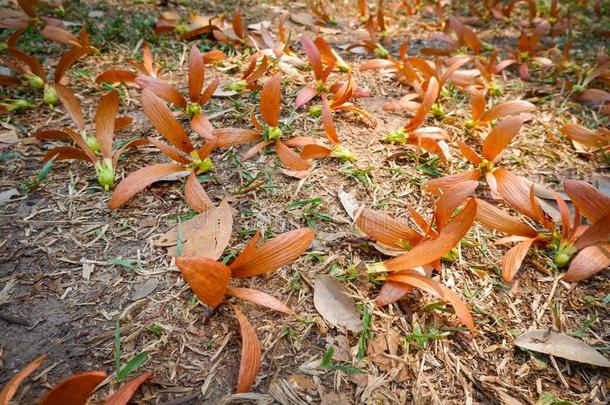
(6, 196)
(8, 138)
(225, 93)
(335, 305)
(10, 388)
(87, 270)
(206, 235)
(349, 202)
(560, 345)
(302, 19)
(144, 289)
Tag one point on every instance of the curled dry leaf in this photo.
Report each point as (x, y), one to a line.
(432, 249)
(588, 262)
(250, 354)
(195, 195)
(272, 254)
(139, 180)
(124, 394)
(207, 278)
(74, 390)
(332, 301)
(206, 235)
(11, 386)
(437, 289)
(560, 345)
(352, 206)
(259, 297)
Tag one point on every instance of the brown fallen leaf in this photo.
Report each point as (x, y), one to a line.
(560, 345)
(8, 138)
(335, 305)
(9, 390)
(302, 381)
(302, 19)
(123, 395)
(352, 206)
(206, 235)
(74, 390)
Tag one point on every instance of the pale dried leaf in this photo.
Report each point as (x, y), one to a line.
(332, 301)
(349, 202)
(144, 289)
(206, 235)
(560, 345)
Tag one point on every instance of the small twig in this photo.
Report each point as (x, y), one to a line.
(251, 187)
(561, 377)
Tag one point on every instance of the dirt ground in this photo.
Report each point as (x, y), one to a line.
(70, 268)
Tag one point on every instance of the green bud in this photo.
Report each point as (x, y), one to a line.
(524, 56)
(60, 12)
(375, 268)
(381, 52)
(274, 133)
(105, 174)
(239, 85)
(398, 136)
(314, 111)
(469, 125)
(18, 105)
(486, 166)
(34, 81)
(50, 95)
(204, 166)
(343, 67)
(578, 88)
(91, 142)
(451, 255)
(321, 87)
(487, 47)
(564, 254)
(193, 109)
(181, 29)
(561, 259)
(342, 153)
(495, 90)
(437, 111)
(332, 21)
